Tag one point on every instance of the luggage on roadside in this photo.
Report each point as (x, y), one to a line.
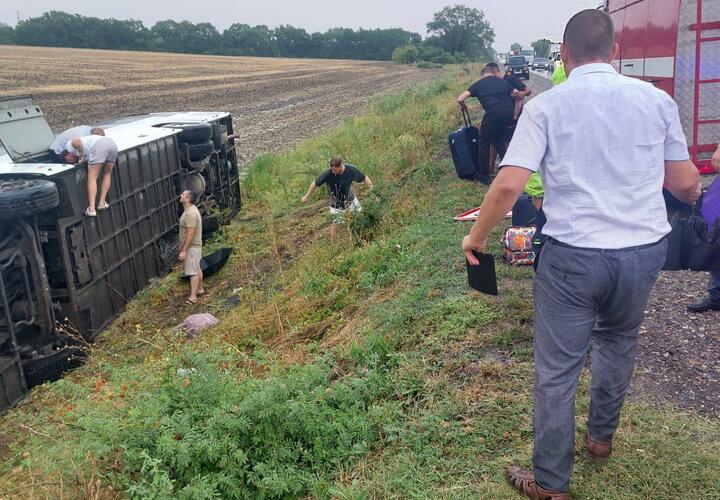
(464, 147)
(692, 244)
(518, 247)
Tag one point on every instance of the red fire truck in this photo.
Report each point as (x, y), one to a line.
(675, 44)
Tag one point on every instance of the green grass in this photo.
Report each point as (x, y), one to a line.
(360, 369)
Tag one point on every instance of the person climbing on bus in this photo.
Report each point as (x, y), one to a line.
(101, 154)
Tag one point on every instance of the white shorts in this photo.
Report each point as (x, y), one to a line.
(338, 214)
(193, 255)
(103, 151)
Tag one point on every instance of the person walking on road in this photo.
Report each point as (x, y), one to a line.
(191, 244)
(603, 255)
(101, 154)
(712, 301)
(339, 179)
(496, 97)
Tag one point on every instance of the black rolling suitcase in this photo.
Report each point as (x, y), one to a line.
(464, 144)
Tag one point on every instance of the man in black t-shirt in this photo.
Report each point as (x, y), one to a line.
(519, 95)
(338, 179)
(496, 97)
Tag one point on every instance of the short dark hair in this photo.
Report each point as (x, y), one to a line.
(589, 34)
(192, 195)
(487, 70)
(493, 65)
(336, 161)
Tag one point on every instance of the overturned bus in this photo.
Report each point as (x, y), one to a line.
(64, 275)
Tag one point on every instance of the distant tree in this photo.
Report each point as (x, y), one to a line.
(54, 29)
(7, 34)
(516, 47)
(542, 47)
(289, 41)
(201, 38)
(461, 29)
(435, 54)
(60, 29)
(378, 44)
(407, 54)
(340, 43)
(245, 40)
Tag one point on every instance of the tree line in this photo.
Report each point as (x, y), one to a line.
(456, 33)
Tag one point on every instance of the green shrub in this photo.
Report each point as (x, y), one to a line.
(407, 54)
(206, 434)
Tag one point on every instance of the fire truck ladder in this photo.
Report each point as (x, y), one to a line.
(699, 27)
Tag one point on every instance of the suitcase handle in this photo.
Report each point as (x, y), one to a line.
(466, 117)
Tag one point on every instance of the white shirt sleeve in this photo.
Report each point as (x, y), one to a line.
(529, 143)
(675, 142)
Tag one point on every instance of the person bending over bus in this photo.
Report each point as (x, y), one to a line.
(57, 148)
(101, 154)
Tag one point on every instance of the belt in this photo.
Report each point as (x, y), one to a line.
(608, 250)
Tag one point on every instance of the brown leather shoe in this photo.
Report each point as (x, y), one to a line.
(524, 481)
(597, 451)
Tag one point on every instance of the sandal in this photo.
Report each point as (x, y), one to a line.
(103, 206)
(191, 302)
(89, 213)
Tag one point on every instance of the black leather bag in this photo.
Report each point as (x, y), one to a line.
(691, 244)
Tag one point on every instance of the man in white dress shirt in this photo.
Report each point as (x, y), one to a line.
(603, 144)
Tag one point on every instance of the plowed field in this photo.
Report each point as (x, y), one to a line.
(274, 102)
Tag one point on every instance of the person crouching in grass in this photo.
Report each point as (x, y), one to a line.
(191, 244)
(339, 179)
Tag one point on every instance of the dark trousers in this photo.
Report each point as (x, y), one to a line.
(493, 130)
(714, 285)
(584, 295)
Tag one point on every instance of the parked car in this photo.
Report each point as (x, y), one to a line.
(529, 55)
(64, 276)
(677, 52)
(518, 65)
(541, 63)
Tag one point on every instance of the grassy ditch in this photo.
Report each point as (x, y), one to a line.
(361, 369)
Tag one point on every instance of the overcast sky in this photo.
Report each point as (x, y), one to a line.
(521, 21)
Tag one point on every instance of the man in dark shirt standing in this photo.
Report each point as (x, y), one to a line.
(495, 96)
(519, 94)
(338, 179)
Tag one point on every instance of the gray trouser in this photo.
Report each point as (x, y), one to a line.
(584, 294)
